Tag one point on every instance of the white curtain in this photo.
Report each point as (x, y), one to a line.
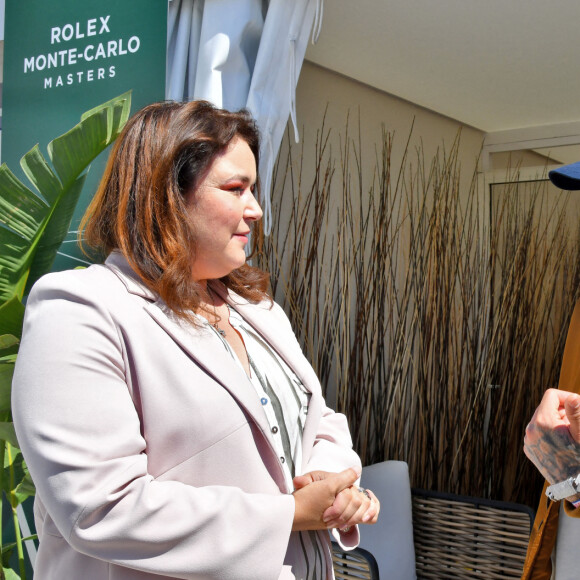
(243, 53)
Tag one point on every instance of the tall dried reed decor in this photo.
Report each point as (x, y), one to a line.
(434, 333)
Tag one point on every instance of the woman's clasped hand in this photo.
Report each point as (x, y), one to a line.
(348, 504)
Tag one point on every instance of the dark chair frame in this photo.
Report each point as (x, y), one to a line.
(356, 564)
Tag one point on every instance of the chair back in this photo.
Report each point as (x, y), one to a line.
(465, 538)
(390, 540)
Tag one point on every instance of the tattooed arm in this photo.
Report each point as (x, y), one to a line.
(552, 440)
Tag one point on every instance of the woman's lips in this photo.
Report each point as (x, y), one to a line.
(242, 237)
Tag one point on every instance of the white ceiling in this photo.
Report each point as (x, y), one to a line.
(496, 65)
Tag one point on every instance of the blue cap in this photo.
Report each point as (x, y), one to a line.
(566, 177)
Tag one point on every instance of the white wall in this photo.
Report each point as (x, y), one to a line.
(319, 88)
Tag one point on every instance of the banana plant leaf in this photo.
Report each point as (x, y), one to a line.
(11, 315)
(10, 574)
(33, 226)
(7, 433)
(16, 474)
(6, 372)
(8, 349)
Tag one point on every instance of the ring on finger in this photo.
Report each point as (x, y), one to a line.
(365, 491)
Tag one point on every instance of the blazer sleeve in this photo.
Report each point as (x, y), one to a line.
(81, 436)
(332, 451)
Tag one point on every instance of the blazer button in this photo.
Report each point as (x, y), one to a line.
(274, 430)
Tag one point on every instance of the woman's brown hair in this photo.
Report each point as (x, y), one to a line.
(139, 209)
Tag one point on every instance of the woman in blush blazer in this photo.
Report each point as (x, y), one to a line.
(169, 419)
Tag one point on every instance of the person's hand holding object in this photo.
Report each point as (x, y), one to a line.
(552, 440)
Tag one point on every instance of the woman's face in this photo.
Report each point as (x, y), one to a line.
(222, 211)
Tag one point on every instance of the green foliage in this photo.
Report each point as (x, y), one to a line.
(33, 223)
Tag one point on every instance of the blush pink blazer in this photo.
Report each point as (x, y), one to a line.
(152, 460)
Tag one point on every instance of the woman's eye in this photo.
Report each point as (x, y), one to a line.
(239, 188)
(236, 189)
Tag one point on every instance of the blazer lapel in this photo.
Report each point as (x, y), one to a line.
(209, 353)
(201, 344)
(204, 348)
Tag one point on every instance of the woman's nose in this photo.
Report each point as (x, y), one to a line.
(253, 210)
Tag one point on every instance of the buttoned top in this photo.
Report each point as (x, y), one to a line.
(284, 400)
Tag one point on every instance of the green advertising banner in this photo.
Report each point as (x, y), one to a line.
(64, 58)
